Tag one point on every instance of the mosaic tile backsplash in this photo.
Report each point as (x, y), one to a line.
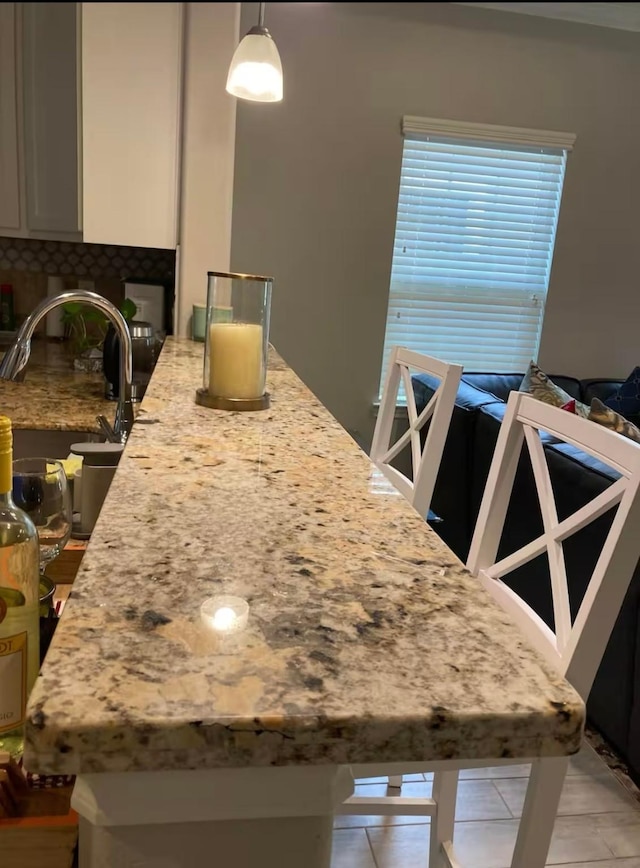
(26, 264)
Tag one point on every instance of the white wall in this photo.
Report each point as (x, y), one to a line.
(208, 139)
(317, 175)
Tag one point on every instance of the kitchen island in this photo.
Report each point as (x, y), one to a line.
(367, 640)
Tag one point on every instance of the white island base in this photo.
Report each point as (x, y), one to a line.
(245, 818)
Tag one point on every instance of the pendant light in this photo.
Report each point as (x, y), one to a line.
(256, 71)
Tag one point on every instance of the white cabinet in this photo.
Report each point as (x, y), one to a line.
(90, 97)
(39, 121)
(9, 189)
(131, 93)
(50, 105)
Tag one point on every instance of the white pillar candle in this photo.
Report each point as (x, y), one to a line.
(236, 363)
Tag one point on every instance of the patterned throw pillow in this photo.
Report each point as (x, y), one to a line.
(614, 421)
(570, 406)
(626, 401)
(538, 384)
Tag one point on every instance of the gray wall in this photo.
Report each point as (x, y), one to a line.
(317, 175)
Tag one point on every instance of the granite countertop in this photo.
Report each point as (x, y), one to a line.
(367, 640)
(53, 395)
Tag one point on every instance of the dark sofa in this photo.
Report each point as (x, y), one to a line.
(614, 703)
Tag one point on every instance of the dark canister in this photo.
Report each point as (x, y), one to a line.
(144, 353)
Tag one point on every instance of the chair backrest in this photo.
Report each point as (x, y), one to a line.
(574, 648)
(425, 460)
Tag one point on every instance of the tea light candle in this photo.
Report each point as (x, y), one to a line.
(236, 360)
(225, 614)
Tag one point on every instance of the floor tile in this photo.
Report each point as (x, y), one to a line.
(587, 762)
(581, 794)
(621, 832)
(351, 849)
(494, 772)
(400, 846)
(608, 863)
(480, 800)
(575, 839)
(490, 845)
(486, 844)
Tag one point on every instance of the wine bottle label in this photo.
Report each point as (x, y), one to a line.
(13, 681)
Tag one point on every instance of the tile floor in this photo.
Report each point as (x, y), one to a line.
(598, 825)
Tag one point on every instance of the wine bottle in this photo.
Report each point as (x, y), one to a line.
(19, 598)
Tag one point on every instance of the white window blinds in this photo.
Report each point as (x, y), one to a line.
(473, 246)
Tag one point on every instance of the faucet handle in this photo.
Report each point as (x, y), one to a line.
(107, 430)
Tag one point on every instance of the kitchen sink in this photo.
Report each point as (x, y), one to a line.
(37, 443)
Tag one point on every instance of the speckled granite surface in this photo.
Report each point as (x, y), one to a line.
(52, 395)
(366, 641)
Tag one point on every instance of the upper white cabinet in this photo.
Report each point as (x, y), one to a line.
(131, 90)
(39, 163)
(9, 188)
(90, 98)
(50, 105)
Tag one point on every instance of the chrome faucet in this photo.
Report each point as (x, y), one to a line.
(16, 358)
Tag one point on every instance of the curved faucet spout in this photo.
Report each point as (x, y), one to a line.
(15, 359)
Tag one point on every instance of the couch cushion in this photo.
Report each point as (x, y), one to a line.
(500, 385)
(469, 397)
(497, 385)
(570, 385)
(602, 389)
(496, 413)
(626, 399)
(583, 459)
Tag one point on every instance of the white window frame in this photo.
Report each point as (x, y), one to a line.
(473, 134)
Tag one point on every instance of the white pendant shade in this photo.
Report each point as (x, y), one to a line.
(256, 70)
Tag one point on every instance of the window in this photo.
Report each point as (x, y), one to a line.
(475, 230)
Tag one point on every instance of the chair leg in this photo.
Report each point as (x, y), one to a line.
(394, 782)
(445, 791)
(539, 812)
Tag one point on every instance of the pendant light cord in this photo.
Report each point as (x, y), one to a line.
(261, 15)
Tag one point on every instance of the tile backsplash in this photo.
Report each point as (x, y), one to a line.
(26, 263)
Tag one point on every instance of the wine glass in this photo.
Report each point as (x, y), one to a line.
(40, 489)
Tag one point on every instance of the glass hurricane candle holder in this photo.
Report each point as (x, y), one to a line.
(236, 342)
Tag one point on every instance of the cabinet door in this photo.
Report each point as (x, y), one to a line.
(9, 189)
(131, 85)
(50, 70)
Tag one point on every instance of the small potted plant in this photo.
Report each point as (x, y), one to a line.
(86, 328)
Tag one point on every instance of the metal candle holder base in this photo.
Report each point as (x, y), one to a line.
(240, 404)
